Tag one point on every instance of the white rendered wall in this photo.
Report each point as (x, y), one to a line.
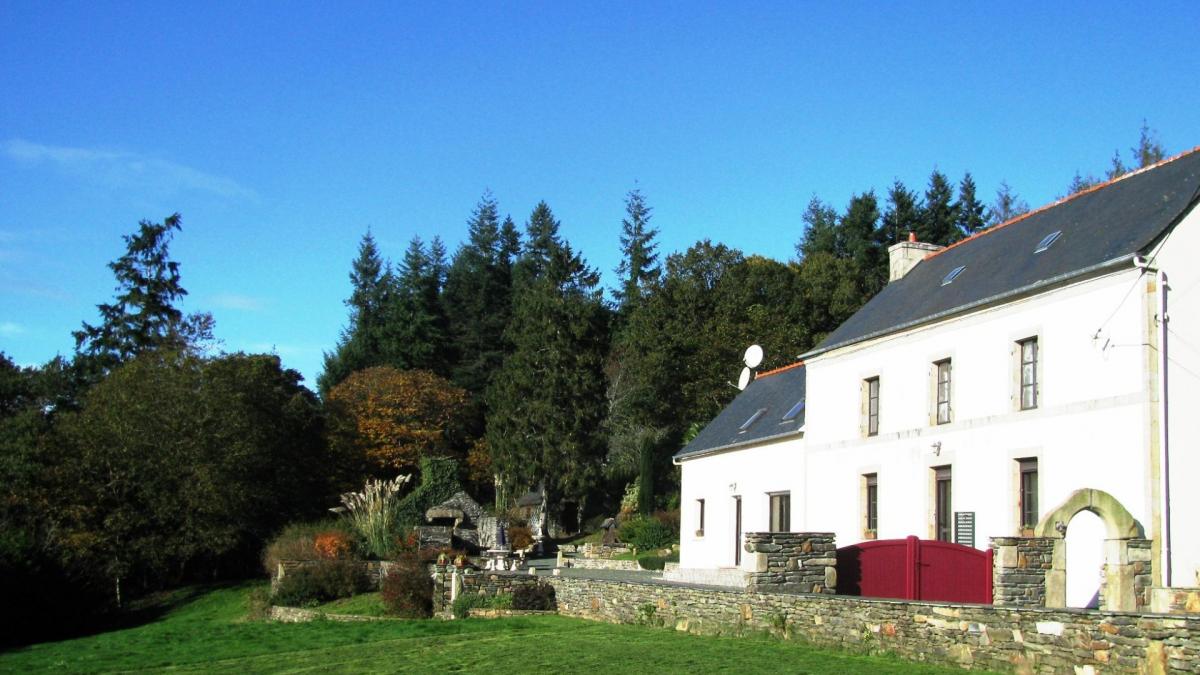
(1089, 429)
(752, 473)
(1177, 258)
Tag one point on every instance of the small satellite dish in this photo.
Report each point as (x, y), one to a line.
(744, 378)
(753, 357)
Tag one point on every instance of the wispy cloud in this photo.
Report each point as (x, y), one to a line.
(243, 303)
(11, 329)
(125, 170)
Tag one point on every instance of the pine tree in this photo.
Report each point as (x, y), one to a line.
(820, 229)
(414, 334)
(1007, 205)
(143, 318)
(1149, 149)
(637, 269)
(857, 243)
(903, 215)
(939, 217)
(1117, 167)
(477, 297)
(361, 343)
(972, 214)
(546, 405)
(1079, 183)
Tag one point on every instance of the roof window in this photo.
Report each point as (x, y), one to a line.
(1048, 241)
(953, 275)
(794, 412)
(750, 422)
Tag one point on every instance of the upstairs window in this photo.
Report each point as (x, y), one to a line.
(699, 517)
(943, 392)
(1029, 368)
(872, 406)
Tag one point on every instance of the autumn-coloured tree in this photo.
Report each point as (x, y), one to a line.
(390, 418)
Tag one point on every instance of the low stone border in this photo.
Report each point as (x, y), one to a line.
(488, 613)
(299, 615)
(603, 564)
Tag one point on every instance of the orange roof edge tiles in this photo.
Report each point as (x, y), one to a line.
(779, 370)
(1098, 186)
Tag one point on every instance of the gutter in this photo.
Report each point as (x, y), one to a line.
(994, 299)
(680, 459)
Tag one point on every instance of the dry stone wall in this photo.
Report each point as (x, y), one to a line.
(971, 636)
(792, 562)
(1020, 570)
(449, 581)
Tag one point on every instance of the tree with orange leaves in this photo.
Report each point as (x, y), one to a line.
(390, 419)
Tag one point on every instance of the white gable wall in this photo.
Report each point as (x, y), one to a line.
(1177, 257)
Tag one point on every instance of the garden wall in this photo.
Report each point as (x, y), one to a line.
(974, 636)
(449, 581)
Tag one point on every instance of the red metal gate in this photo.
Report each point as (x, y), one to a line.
(913, 569)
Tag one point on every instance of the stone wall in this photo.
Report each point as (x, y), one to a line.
(1019, 575)
(1175, 600)
(375, 570)
(971, 636)
(602, 564)
(792, 562)
(449, 582)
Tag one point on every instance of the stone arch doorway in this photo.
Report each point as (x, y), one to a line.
(1126, 550)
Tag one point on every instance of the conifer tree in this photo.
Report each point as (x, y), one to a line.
(1117, 167)
(546, 405)
(143, 317)
(857, 237)
(903, 215)
(939, 217)
(477, 297)
(637, 269)
(1007, 205)
(1149, 149)
(972, 214)
(415, 334)
(820, 229)
(361, 343)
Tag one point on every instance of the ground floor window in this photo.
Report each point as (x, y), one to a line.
(781, 512)
(1028, 493)
(699, 517)
(942, 512)
(871, 512)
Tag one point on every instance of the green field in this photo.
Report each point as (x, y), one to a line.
(209, 631)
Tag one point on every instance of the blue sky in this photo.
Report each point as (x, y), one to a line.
(283, 131)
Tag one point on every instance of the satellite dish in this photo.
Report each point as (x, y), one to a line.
(744, 378)
(753, 357)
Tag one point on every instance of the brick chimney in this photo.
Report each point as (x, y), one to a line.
(904, 256)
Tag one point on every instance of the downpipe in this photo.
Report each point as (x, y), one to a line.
(1164, 474)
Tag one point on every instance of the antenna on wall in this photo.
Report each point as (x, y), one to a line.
(752, 358)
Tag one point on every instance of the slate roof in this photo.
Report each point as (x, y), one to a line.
(776, 392)
(1101, 227)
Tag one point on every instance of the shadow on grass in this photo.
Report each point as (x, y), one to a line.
(57, 621)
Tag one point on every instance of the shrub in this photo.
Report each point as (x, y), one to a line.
(407, 590)
(464, 603)
(321, 582)
(332, 545)
(519, 537)
(669, 518)
(533, 596)
(646, 533)
(439, 482)
(298, 542)
(657, 562)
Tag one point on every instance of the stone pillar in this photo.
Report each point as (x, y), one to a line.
(1128, 571)
(792, 562)
(1024, 574)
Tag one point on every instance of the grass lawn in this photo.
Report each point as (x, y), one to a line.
(365, 604)
(209, 631)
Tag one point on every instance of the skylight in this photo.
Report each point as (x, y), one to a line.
(750, 422)
(1048, 241)
(953, 275)
(794, 412)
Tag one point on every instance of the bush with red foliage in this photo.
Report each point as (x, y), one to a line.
(407, 590)
(332, 545)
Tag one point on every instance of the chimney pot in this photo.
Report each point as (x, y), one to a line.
(912, 236)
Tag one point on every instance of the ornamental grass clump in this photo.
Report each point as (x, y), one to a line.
(372, 513)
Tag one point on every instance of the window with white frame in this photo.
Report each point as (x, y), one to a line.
(942, 382)
(1029, 373)
(871, 391)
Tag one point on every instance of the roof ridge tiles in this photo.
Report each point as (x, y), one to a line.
(781, 369)
(1057, 202)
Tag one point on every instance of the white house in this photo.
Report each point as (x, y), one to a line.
(1053, 360)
